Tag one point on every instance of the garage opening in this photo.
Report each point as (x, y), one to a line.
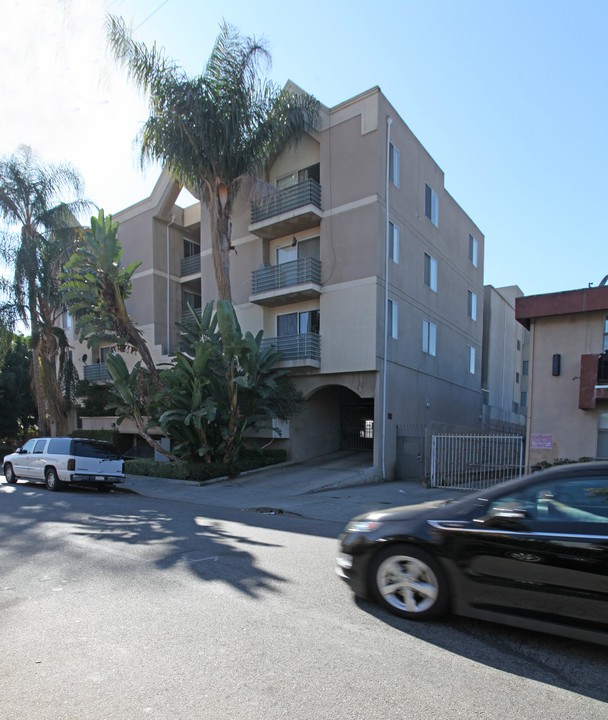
(357, 424)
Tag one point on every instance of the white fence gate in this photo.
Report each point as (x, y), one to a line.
(468, 462)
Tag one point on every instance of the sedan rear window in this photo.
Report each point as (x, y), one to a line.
(94, 449)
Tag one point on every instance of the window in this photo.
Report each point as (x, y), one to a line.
(287, 324)
(524, 399)
(191, 248)
(471, 354)
(605, 347)
(105, 351)
(393, 242)
(473, 250)
(430, 272)
(392, 319)
(574, 500)
(29, 446)
(472, 305)
(312, 172)
(429, 338)
(516, 377)
(39, 446)
(525, 367)
(59, 446)
(519, 344)
(287, 254)
(300, 249)
(298, 323)
(515, 407)
(311, 247)
(393, 165)
(431, 205)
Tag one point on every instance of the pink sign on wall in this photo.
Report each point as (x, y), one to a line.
(541, 441)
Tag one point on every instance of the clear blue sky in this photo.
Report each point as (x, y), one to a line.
(508, 96)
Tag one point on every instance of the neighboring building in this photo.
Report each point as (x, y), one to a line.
(504, 363)
(311, 268)
(568, 384)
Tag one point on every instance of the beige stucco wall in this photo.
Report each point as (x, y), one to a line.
(553, 401)
(504, 344)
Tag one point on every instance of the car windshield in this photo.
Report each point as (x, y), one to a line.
(95, 449)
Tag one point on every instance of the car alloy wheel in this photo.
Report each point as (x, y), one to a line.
(9, 474)
(409, 582)
(52, 481)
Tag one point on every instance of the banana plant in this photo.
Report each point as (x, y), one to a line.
(222, 384)
(127, 403)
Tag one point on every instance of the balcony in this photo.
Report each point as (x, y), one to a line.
(190, 265)
(287, 211)
(594, 380)
(303, 350)
(97, 372)
(187, 313)
(286, 283)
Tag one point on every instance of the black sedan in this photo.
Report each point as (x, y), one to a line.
(531, 552)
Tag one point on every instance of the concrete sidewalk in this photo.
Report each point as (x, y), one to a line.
(325, 491)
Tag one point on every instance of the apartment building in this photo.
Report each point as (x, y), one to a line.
(505, 362)
(360, 268)
(568, 384)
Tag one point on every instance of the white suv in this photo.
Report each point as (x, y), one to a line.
(60, 460)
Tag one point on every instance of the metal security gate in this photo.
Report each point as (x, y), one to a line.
(468, 462)
(357, 426)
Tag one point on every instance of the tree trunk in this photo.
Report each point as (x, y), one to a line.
(144, 352)
(152, 442)
(43, 427)
(221, 237)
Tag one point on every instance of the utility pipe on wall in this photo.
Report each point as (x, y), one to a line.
(389, 121)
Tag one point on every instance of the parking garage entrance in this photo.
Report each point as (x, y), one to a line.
(357, 423)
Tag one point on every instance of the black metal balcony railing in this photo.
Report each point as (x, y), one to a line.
(187, 314)
(296, 272)
(292, 198)
(305, 346)
(190, 265)
(96, 372)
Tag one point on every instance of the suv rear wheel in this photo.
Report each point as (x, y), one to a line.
(52, 480)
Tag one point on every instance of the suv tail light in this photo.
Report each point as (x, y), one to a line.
(72, 464)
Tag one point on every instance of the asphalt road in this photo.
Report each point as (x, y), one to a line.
(123, 607)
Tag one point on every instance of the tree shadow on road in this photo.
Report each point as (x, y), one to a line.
(551, 660)
(173, 537)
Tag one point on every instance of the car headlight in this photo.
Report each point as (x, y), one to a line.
(362, 526)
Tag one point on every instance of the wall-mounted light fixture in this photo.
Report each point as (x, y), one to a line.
(557, 364)
(294, 241)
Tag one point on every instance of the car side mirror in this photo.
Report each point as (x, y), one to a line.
(21, 451)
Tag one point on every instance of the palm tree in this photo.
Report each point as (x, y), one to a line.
(33, 214)
(57, 375)
(215, 130)
(96, 288)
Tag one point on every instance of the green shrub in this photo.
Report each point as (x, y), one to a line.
(544, 464)
(200, 472)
